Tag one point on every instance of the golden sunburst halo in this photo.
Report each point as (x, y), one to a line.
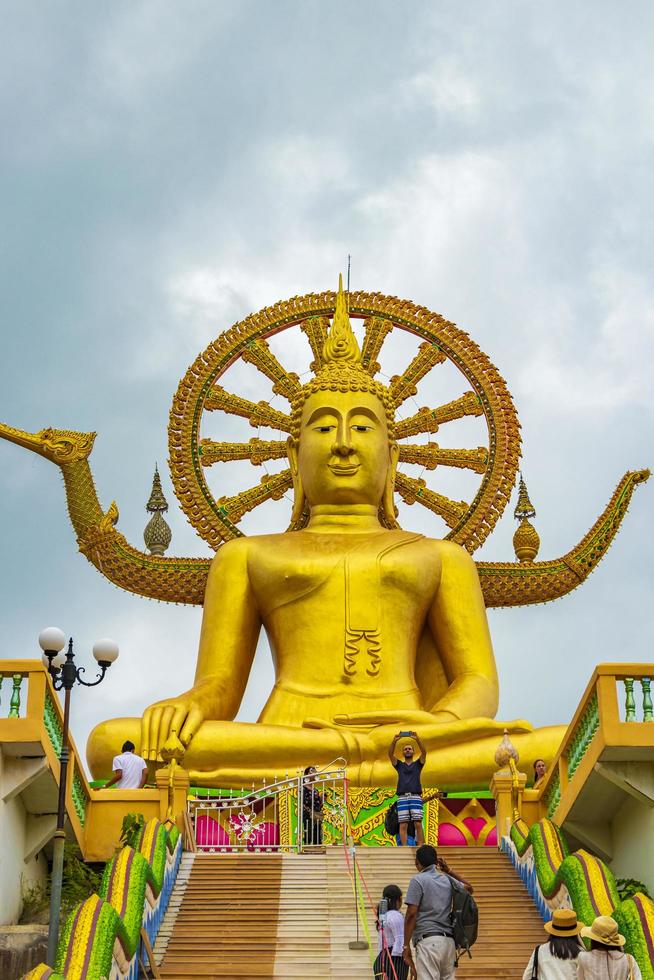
(484, 394)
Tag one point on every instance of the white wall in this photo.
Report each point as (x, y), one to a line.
(15, 873)
(632, 831)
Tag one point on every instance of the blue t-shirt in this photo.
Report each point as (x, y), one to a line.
(408, 777)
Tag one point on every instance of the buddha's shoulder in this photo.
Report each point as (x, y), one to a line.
(448, 551)
(255, 546)
(247, 546)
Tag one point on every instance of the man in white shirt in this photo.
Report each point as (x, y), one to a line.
(130, 770)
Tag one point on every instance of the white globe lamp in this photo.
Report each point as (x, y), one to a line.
(105, 651)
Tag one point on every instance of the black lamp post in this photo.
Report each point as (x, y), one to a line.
(64, 676)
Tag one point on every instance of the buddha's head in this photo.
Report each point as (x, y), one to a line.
(341, 448)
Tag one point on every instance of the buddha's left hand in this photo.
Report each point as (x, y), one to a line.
(390, 717)
(377, 728)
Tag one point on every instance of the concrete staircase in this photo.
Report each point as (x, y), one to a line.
(288, 915)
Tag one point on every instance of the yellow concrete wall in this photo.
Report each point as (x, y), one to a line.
(105, 817)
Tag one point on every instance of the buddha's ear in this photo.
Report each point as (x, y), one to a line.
(299, 499)
(291, 452)
(388, 500)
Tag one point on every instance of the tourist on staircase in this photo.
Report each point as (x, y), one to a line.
(427, 923)
(311, 809)
(130, 770)
(558, 958)
(606, 959)
(409, 788)
(540, 771)
(389, 964)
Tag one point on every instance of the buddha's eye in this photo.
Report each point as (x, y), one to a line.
(362, 428)
(325, 428)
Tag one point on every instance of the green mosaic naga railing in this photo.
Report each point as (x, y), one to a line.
(582, 736)
(52, 723)
(542, 858)
(553, 794)
(80, 797)
(103, 933)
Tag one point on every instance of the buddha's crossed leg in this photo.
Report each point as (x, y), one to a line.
(459, 754)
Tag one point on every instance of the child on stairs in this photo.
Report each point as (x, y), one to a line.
(389, 964)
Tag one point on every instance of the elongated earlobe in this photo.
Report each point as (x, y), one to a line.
(299, 502)
(388, 499)
(298, 515)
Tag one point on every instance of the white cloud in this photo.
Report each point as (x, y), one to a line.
(446, 87)
(306, 166)
(146, 45)
(612, 367)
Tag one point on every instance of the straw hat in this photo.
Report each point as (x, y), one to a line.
(563, 923)
(604, 930)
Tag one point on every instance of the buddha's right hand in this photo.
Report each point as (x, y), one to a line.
(182, 715)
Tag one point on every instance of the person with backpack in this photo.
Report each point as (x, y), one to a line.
(606, 959)
(557, 959)
(441, 917)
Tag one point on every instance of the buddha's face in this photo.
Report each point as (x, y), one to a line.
(344, 453)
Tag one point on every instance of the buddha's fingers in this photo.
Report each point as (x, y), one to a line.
(145, 733)
(164, 726)
(179, 717)
(148, 749)
(386, 718)
(194, 719)
(469, 729)
(153, 738)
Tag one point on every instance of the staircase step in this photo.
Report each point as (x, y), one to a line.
(285, 915)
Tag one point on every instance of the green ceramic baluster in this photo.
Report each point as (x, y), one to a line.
(648, 708)
(630, 702)
(14, 704)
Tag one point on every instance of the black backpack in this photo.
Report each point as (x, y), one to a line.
(464, 919)
(391, 821)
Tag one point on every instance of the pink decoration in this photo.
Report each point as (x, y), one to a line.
(209, 833)
(475, 825)
(450, 836)
(264, 835)
(491, 840)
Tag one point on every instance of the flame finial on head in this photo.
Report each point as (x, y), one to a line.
(341, 345)
(342, 371)
(342, 367)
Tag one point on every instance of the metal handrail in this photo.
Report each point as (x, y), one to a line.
(270, 817)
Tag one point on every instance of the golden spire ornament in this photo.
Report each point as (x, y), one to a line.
(506, 751)
(157, 534)
(526, 541)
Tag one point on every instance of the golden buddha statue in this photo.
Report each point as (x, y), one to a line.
(349, 603)
(371, 628)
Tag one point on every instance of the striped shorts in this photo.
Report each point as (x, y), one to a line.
(409, 808)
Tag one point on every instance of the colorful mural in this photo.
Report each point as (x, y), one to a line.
(271, 822)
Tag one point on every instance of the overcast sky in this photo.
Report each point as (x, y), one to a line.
(168, 168)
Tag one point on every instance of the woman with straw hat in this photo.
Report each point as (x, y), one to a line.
(606, 959)
(557, 959)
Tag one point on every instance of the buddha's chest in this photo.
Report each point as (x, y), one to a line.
(345, 578)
